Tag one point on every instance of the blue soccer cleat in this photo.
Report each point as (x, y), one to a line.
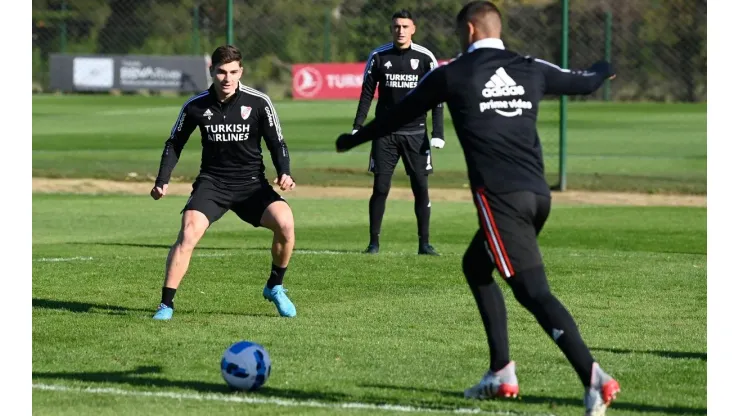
(164, 313)
(277, 296)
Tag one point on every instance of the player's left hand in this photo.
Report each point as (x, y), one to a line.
(285, 182)
(437, 142)
(343, 142)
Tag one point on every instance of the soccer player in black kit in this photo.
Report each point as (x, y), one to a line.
(395, 68)
(493, 97)
(232, 119)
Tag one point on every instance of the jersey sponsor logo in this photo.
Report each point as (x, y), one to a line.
(502, 85)
(246, 111)
(227, 128)
(227, 132)
(414, 63)
(269, 115)
(401, 80)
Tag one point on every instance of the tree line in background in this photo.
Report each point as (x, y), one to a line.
(658, 46)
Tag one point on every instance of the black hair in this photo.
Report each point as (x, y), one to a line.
(475, 9)
(402, 14)
(226, 54)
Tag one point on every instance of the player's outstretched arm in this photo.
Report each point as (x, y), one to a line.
(369, 84)
(561, 81)
(181, 131)
(430, 91)
(438, 115)
(438, 136)
(273, 135)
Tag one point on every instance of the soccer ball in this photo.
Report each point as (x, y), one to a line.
(245, 366)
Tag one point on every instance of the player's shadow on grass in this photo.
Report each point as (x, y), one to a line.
(82, 307)
(265, 249)
(165, 246)
(555, 401)
(665, 354)
(145, 376)
(86, 307)
(135, 377)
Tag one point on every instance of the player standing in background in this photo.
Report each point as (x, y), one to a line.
(493, 96)
(232, 119)
(395, 68)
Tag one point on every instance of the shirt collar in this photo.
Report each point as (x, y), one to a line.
(212, 91)
(486, 43)
(402, 50)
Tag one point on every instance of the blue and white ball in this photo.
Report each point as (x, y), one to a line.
(245, 366)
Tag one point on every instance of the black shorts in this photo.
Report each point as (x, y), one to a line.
(413, 149)
(248, 201)
(510, 224)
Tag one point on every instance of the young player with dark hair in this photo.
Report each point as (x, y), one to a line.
(232, 119)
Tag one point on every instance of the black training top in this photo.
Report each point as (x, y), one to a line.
(231, 134)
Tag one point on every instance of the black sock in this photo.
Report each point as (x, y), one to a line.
(168, 296)
(478, 269)
(375, 239)
(276, 276)
(532, 291)
(381, 188)
(422, 208)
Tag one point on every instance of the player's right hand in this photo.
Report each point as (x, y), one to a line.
(343, 142)
(354, 131)
(158, 192)
(605, 68)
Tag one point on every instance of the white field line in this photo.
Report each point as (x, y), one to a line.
(274, 401)
(56, 259)
(235, 252)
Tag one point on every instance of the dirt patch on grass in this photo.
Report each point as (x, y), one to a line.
(101, 187)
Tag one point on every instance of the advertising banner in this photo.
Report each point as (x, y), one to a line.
(329, 81)
(128, 72)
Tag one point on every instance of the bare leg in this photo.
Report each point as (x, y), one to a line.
(278, 217)
(194, 225)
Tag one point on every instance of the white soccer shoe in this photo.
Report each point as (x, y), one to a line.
(600, 394)
(502, 383)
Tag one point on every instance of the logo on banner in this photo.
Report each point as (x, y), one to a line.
(414, 63)
(93, 72)
(246, 111)
(307, 81)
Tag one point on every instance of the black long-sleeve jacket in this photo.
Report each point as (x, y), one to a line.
(231, 134)
(395, 72)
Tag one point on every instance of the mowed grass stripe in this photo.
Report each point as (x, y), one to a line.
(614, 146)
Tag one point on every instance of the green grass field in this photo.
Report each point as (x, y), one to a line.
(647, 147)
(390, 329)
(372, 331)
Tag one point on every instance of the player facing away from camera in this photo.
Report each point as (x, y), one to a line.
(395, 68)
(493, 96)
(232, 119)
